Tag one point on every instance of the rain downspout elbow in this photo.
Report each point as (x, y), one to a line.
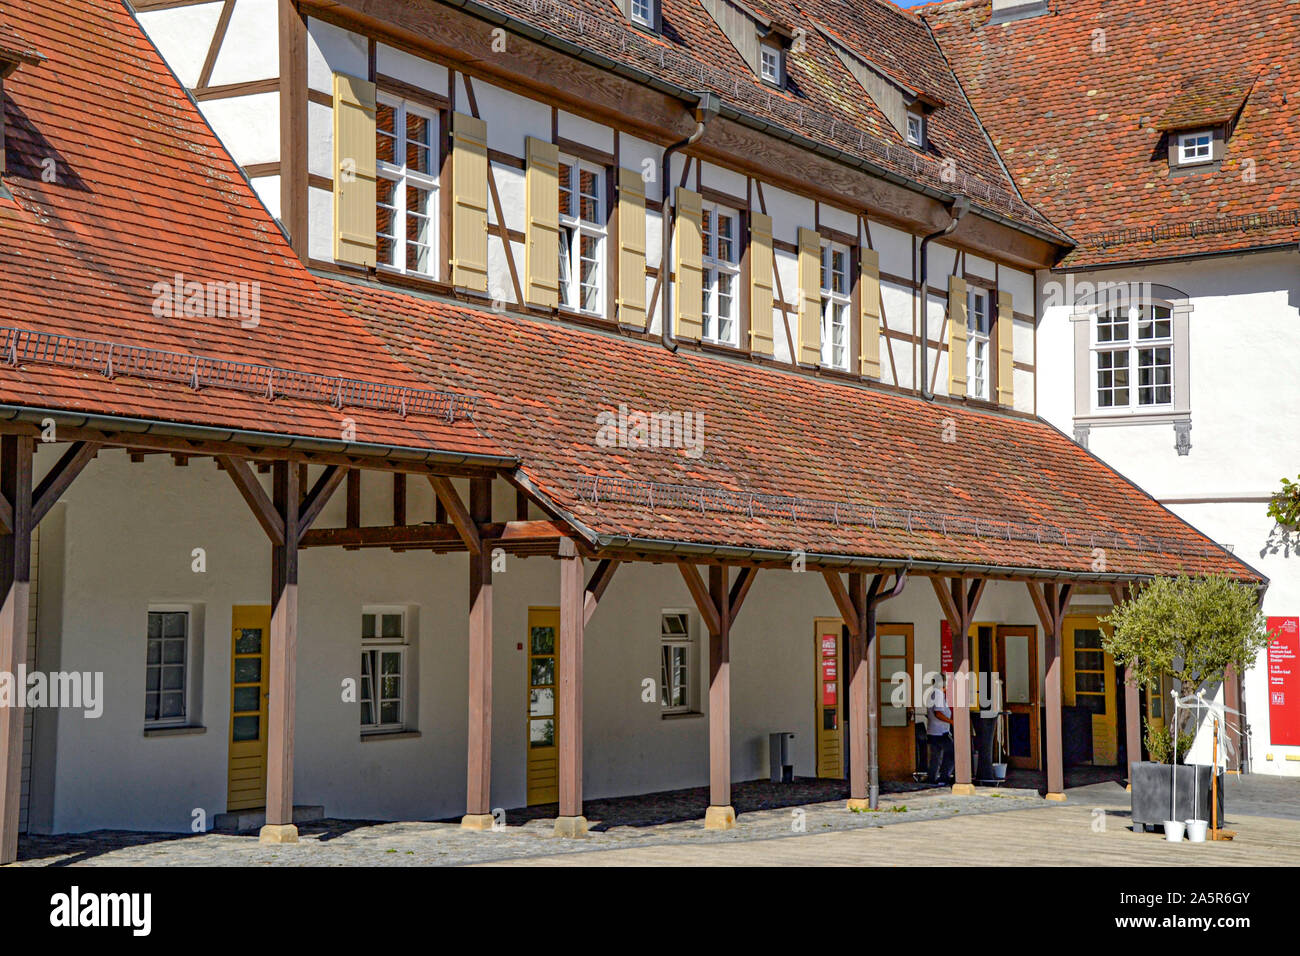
(955, 211)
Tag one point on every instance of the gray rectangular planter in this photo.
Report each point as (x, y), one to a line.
(1151, 786)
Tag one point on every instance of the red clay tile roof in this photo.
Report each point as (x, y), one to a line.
(839, 449)
(1206, 100)
(142, 191)
(15, 50)
(823, 101)
(1076, 102)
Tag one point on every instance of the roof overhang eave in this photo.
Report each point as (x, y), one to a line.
(206, 433)
(690, 97)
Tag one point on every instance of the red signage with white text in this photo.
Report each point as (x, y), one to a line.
(1284, 681)
(830, 676)
(945, 647)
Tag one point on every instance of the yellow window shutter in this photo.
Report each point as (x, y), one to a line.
(869, 293)
(687, 244)
(1006, 350)
(469, 172)
(810, 297)
(956, 336)
(760, 284)
(542, 243)
(631, 248)
(354, 170)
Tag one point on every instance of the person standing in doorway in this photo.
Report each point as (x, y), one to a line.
(938, 729)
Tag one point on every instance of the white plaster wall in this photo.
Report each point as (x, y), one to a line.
(130, 533)
(1244, 340)
(183, 36)
(415, 70)
(582, 130)
(331, 50)
(251, 49)
(248, 126)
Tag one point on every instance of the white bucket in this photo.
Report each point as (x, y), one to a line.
(1174, 831)
(1196, 830)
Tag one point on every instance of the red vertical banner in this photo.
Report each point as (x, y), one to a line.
(1284, 681)
(830, 672)
(945, 647)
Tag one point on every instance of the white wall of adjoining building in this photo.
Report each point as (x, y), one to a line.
(1244, 343)
(123, 541)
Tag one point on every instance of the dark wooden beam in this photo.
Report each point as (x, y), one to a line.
(740, 589)
(399, 499)
(457, 513)
(354, 498)
(530, 536)
(720, 815)
(78, 455)
(263, 508)
(700, 595)
(848, 613)
(478, 794)
(319, 496)
(15, 589)
(595, 589)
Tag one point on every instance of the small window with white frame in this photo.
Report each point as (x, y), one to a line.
(1133, 357)
(836, 294)
(406, 215)
(676, 661)
(169, 668)
(384, 692)
(977, 343)
(769, 64)
(1195, 147)
(642, 12)
(582, 236)
(720, 228)
(916, 129)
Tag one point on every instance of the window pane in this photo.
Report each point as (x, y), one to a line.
(726, 241)
(390, 712)
(543, 640)
(247, 699)
(566, 190)
(248, 670)
(419, 142)
(542, 672)
(541, 733)
(541, 703)
(386, 221)
(367, 626)
(590, 264)
(589, 191)
(392, 625)
(386, 133)
(249, 641)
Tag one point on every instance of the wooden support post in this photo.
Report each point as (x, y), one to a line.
(1050, 602)
(354, 498)
(15, 584)
(1235, 723)
(478, 807)
(399, 499)
(959, 601)
(1132, 723)
(720, 815)
(573, 617)
(861, 729)
(281, 696)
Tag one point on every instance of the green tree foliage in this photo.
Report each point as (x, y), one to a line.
(1190, 628)
(1284, 507)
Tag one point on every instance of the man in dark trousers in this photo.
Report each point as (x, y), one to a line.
(938, 728)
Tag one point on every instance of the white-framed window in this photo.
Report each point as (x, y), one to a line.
(170, 667)
(582, 236)
(977, 343)
(642, 12)
(406, 197)
(676, 661)
(384, 691)
(1133, 357)
(1195, 147)
(769, 64)
(916, 129)
(836, 305)
(720, 231)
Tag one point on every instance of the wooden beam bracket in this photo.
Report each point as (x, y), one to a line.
(259, 501)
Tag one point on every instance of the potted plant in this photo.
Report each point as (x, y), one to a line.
(1192, 629)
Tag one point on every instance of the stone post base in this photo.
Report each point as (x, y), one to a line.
(278, 833)
(570, 826)
(477, 821)
(859, 803)
(1060, 797)
(719, 818)
(963, 789)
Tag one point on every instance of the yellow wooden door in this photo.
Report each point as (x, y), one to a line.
(829, 703)
(542, 679)
(1088, 681)
(897, 740)
(249, 645)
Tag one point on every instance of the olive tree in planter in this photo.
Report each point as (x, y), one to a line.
(1193, 629)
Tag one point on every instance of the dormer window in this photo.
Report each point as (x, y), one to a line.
(769, 64)
(1195, 147)
(642, 13)
(916, 130)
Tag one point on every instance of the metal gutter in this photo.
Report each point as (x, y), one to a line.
(145, 426)
(691, 96)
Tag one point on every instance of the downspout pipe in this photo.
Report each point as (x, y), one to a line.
(705, 109)
(955, 211)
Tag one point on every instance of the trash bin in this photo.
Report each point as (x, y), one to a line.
(780, 749)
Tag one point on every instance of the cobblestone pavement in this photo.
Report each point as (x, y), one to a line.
(801, 823)
(660, 820)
